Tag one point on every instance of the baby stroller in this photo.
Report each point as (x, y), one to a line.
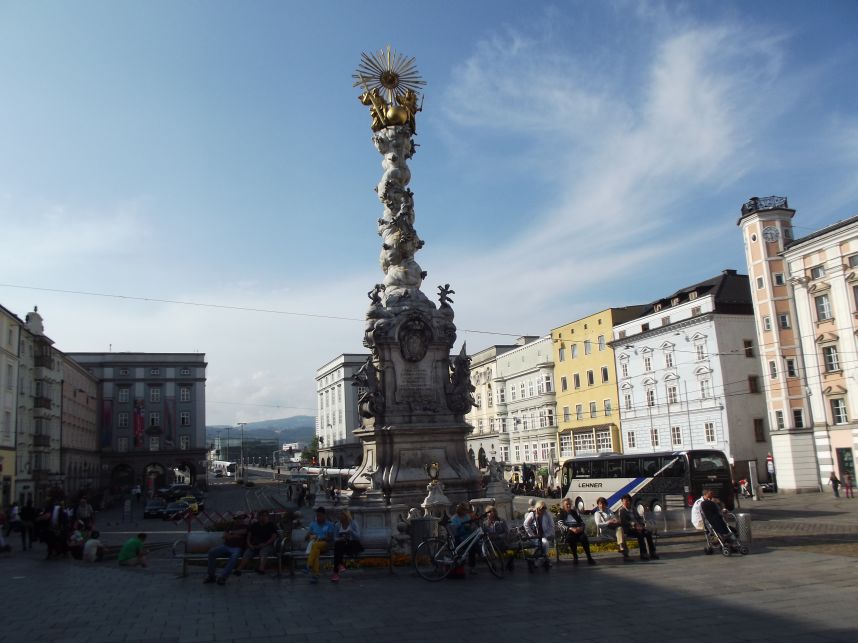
(531, 550)
(725, 538)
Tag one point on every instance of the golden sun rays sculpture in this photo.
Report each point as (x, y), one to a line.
(391, 85)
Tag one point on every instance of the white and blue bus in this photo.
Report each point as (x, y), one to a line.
(655, 481)
(224, 467)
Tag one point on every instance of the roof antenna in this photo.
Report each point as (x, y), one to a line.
(110, 350)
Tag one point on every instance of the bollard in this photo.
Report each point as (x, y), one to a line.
(743, 528)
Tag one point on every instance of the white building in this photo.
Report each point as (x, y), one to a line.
(337, 411)
(489, 438)
(689, 376)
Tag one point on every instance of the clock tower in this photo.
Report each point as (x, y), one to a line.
(766, 225)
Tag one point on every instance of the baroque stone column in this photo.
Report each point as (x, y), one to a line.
(413, 394)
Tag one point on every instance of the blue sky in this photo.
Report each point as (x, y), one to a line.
(573, 156)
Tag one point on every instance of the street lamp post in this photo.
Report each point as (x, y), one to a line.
(241, 452)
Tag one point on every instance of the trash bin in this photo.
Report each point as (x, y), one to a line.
(743, 527)
(421, 529)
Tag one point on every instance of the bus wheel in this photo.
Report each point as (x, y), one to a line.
(656, 506)
(579, 504)
(640, 508)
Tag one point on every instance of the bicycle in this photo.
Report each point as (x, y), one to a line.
(436, 557)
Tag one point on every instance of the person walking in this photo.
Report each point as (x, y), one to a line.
(835, 484)
(847, 485)
(28, 525)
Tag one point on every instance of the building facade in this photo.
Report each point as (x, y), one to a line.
(689, 374)
(489, 437)
(823, 276)
(10, 337)
(766, 226)
(586, 380)
(80, 460)
(152, 408)
(337, 411)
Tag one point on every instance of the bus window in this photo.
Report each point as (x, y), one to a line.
(613, 468)
(649, 466)
(675, 466)
(631, 468)
(581, 469)
(567, 478)
(597, 469)
(710, 463)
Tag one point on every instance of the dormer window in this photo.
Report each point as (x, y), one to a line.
(674, 301)
(657, 307)
(692, 295)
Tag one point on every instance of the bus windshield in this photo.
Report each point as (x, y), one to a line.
(709, 463)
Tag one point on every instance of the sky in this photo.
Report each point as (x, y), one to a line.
(572, 156)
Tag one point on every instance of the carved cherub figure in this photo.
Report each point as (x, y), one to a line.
(443, 295)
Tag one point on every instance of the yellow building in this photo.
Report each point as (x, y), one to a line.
(585, 379)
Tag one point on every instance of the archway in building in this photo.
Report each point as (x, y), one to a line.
(189, 471)
(482, 460)
(471, 455)
(154, 477)
(122, 478)
(342, 462)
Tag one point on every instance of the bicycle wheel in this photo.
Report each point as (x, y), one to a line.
(494, 559)
(433, 559)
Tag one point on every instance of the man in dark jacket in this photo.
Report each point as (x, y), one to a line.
(572, 526)
(633, 525)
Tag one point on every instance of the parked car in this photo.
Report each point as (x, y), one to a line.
(218, 474)
(175, 510)
(154, 508)
(192, 503)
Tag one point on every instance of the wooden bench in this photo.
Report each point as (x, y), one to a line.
(195, 546)
(377, 543)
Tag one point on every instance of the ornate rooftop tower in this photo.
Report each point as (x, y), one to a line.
(413, 396)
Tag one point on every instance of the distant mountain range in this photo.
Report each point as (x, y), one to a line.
(298, 428)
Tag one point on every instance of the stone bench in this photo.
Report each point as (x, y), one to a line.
(376, 542)
(195, 546)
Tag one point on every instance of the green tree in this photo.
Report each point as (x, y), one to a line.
(311, 452)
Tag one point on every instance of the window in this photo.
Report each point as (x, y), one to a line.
(546, 383)
(122, 444)
(829, 354)
(748, 345)
(783, 320)
(855, 296)
(644, 328)
(527, 453)
(155, 394)
(647, 363)
(590, 378)
(501, 395)
(630, 439)
(605, 376)
(588, 347)
(517, 453)
(593, 410)
(489, 397)
(701, 351)
(653, 436)
(608, 408)
(798, 418)
(601, 341)
(543, 451)
(512, 390)
(583, 443)
(122, 420)
(704, 389)
(574, 351)
(530, 389)
(579, 411)
(603, 441)
(566, 416)
(563, 384)
(184, 442)
(760, 283)
(753, 384)
(650, 397)
(838, 411)
(672, 394)
(773, 370)
(154, 371)
(790, 368)
(154, 443)
(817, 272)
(185, 418)
(759, 430)
(561, 354)
(184, 394)
(709, 430)
(675, 435)
(576, 380)
(565, 445)
(665, 321)
(779, 419)
(122, 394)
(823, 308)
(621, 334)
(779, 279)
(184, 371)
(123, 372)
(154, 419)
(521, 390)
(696, 310)
(767, 323)
(853, 261)
(624, 367)
(480, 424)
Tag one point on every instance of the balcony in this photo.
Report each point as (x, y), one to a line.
(758, 204)
(42, 402)
(41, 440)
